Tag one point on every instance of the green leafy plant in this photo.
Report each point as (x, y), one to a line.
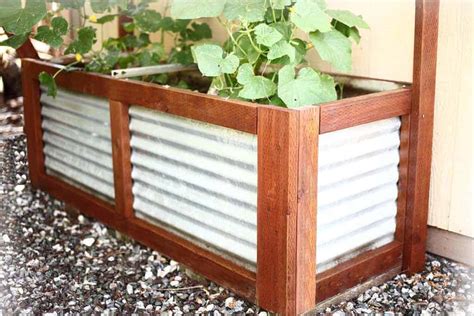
(134, 49)
(263, 59)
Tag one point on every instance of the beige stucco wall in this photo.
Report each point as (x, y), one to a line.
(386, 51)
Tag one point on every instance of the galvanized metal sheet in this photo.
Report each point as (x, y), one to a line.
(196, 178)
(201, 180)
(76, 134)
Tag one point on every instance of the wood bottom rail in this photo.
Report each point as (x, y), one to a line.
(357, 270)
(207, 263)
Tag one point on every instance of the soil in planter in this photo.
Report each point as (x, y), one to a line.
(189, 80)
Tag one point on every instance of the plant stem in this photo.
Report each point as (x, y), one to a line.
(66, 68)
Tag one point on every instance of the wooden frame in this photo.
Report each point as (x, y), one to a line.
(285, 279)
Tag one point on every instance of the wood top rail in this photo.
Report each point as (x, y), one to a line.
(233, 114)
(364, 109)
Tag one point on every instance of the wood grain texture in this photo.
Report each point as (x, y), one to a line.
(27, 50)
(286, 219)
(212, 109)
(121, 154)
(209, 264)
(357, 270)
(421, 134)
(33, 130)
(403, 177)
(307, 208)
(364, 109)
(277, 209)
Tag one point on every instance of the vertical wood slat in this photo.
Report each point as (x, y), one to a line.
(27, 50)
(286, 219)
(33, 130)
(421, 134)
(121, 155)
(403, 177)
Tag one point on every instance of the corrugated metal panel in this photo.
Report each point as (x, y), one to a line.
(76, 134)
(357, 190)
(197, 178)
(201, 180)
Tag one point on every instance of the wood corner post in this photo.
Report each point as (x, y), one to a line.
(27, 50)
(421, 134)
(121, 155)
(32, 127)
(286, 220)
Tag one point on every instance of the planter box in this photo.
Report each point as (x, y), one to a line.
(286, 207)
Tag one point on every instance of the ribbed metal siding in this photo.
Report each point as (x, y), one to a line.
(357, 190)
(197, 178)
(77, 145)
(201, 180)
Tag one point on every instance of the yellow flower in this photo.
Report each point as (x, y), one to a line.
(309, 46)
(292, 9)
(93, 18)
(78, 57)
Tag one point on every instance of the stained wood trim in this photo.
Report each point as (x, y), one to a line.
(27, 50)
(212, 109)
(286, 216)
(357, 270)
(421, 134)
(364, 109)
(207, 263)
(32, 128)
(307, 209)
(85, 202)
(121, 154)
(403, 177)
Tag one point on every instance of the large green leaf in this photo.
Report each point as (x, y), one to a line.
(267, 35)
(309, 16)
(211, 62)
(199, 31)
(333, 47)
(47, 80)
(280, 49)
(53, 35)
(280, 4)
(20, 20)
(307, 88)
(15, 41)
(86, 37)
(245, 10)
(348, 18)
(254, 87)
(194, 9)
(148, 21)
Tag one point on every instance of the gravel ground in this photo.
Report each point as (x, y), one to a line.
(52, 261)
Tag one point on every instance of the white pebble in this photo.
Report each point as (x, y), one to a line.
(88, 241)
(230, 302)
(6, 238)
(174, 283)
(129, 289)
(148, 274)
(210, 307)
(19, 188)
